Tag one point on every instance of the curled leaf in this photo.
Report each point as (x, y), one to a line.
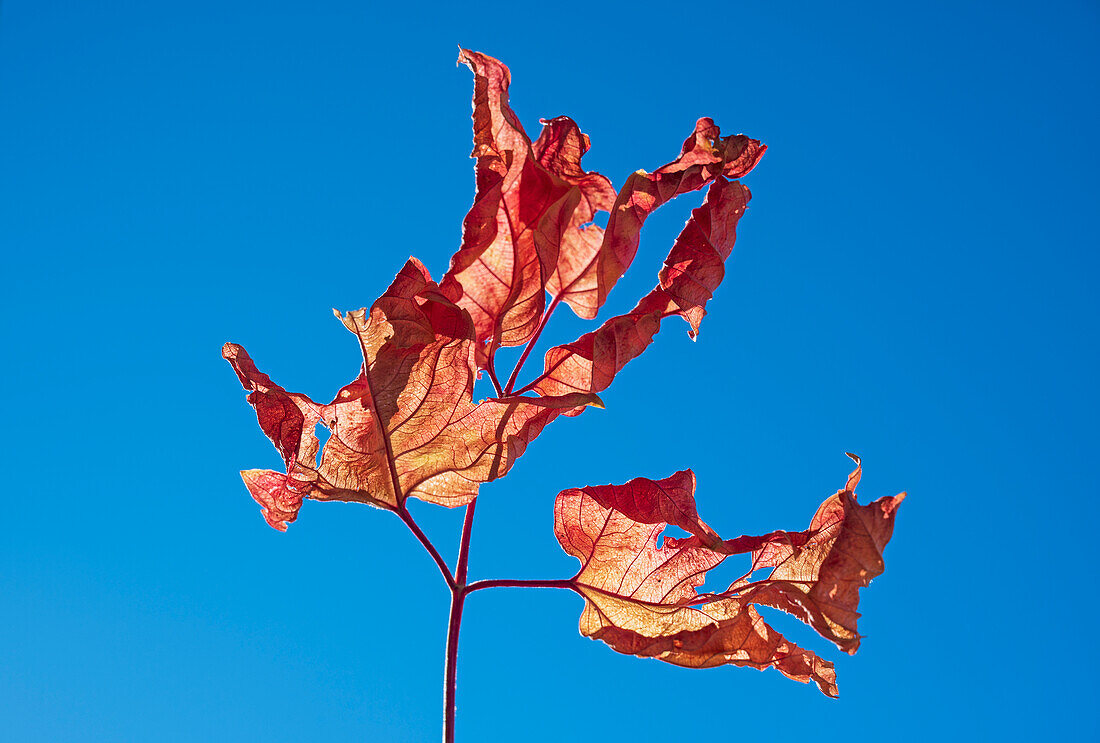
(286, 417)
(818, 581)
(530, 205)
(641, 599)
(279, 496)
(696, 264)
(705, 156)
(692, 271)
(406, 426)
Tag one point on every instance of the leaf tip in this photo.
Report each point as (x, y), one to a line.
(278, 502)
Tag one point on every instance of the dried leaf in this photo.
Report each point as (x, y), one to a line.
(705, 156)
(696, 264)
(818, 581)
(278, 495)
(530, 204)
(559, 148)
(287, 418)
(407, 425)
(693, 270)
(641, 599)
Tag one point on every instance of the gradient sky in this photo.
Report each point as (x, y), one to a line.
(915, 281)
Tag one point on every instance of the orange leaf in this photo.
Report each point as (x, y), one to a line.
(693, 270)
(641, 599)
(819, 581)
(531, 203)
(406, 426)
(705, 156)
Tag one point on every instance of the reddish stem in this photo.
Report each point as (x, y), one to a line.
(464, 545)
(459, 591)
(451, 674)
(458, 596)
(509, 583)
(491, 368)
(531, 343)
(405, 516)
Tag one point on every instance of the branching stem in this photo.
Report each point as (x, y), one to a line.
(459, 590)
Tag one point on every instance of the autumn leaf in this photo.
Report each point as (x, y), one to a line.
(691, 273)
(818, 580)
(704, 157)
(287, 418)
(531, 204)
(279, 495)
(406, 426)
(641, 599)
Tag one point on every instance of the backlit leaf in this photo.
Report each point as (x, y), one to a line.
(641, 599)
(692, 271)
(530, 204)
(407, 424)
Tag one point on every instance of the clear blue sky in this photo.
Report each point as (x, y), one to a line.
(915, 281)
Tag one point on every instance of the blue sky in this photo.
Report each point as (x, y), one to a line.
(915, 281)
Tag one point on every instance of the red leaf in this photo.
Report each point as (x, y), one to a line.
(692, 272)
(559, 148)
(704, 157)
(279, 495)
(819, 581)
(696, 264)
(287, 418)
(642, 600)
(406, 426)
(530, 204)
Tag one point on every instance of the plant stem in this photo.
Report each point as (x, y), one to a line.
(459, 591)
(451, 673)
(493, 378)
(509, 583)
(531, 343)
(464, 546)
(405, 516)
(458, 596)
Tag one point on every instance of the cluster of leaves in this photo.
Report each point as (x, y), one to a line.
(407, 424)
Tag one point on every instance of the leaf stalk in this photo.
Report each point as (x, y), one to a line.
(531, 343)
(403, 513)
